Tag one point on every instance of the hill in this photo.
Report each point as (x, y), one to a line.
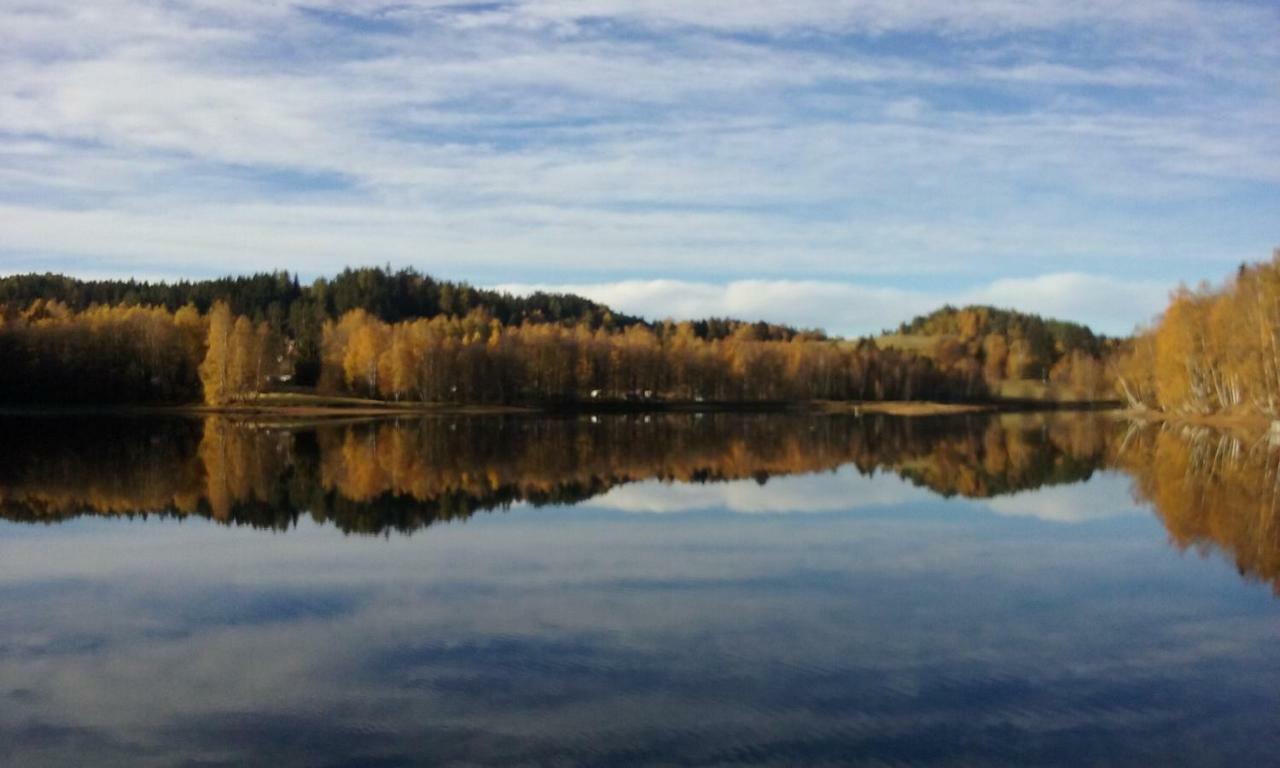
(299, 311)
(1022, 355)
(406, 336)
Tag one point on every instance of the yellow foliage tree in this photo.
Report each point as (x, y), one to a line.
(216, 367)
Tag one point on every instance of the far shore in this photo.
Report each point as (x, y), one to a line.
(305, 406)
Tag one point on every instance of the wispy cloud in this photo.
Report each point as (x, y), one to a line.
(611, 141)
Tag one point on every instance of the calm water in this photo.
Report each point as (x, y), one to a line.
(671, 590)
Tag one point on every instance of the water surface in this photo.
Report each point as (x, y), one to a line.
(631, 590)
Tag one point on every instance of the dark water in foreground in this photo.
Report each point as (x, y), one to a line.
(764, 590)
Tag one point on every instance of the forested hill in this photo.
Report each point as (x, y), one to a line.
(281, 300)
(979, 321)
(298, 309)
(406, 336)
(1021, 355)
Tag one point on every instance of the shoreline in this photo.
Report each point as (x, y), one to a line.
(354, 407)
(1252, 423)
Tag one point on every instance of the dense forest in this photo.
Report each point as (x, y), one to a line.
(122, 354)
(1011, 347)
(101, 355)
(1214, 350)
(406, 337)
(298, 312)
(478, 359)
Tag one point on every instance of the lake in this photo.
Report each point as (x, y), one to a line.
(671, 589)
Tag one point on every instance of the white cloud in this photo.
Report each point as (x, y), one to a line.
(1104, 496)
(610, 140)
(1110, 305)
(877, 16)
(1113, 305)
(844, 489)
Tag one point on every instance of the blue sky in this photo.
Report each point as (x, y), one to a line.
(834, 164)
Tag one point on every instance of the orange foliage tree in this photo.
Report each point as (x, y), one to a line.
(475, 358)
(1213, 350)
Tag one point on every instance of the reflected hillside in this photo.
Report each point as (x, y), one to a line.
(998, 455)
(53, 468)
(378, 476)
(1211, 491)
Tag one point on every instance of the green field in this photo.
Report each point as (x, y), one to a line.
(910, 342)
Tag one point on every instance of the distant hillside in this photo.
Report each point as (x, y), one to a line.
(404, 335)
(298, 311)
(279, 297)
(976, 321)
(1022, 355)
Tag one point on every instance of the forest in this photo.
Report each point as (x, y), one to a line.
(1213, 351)
(123, 354)
(298, 312)
(1015, 351)
(478, 359)
(408, 338)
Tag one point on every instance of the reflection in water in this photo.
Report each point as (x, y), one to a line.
(1210, 490)
(938, 619)
(379, 475)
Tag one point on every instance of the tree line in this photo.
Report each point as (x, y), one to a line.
(50, 353)
(130, 354)
(101, 355)
(1213, 351)
(401, 335)
(476, 358)
(297, 311)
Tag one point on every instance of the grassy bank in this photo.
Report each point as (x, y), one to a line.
(903, 408)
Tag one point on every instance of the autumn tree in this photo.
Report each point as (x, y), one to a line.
(215, 371)
(1212, 351)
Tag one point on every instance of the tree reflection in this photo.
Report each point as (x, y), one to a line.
(54, 468)
(380, 475)
(1211, 490)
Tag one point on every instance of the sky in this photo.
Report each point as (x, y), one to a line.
(841, 165)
